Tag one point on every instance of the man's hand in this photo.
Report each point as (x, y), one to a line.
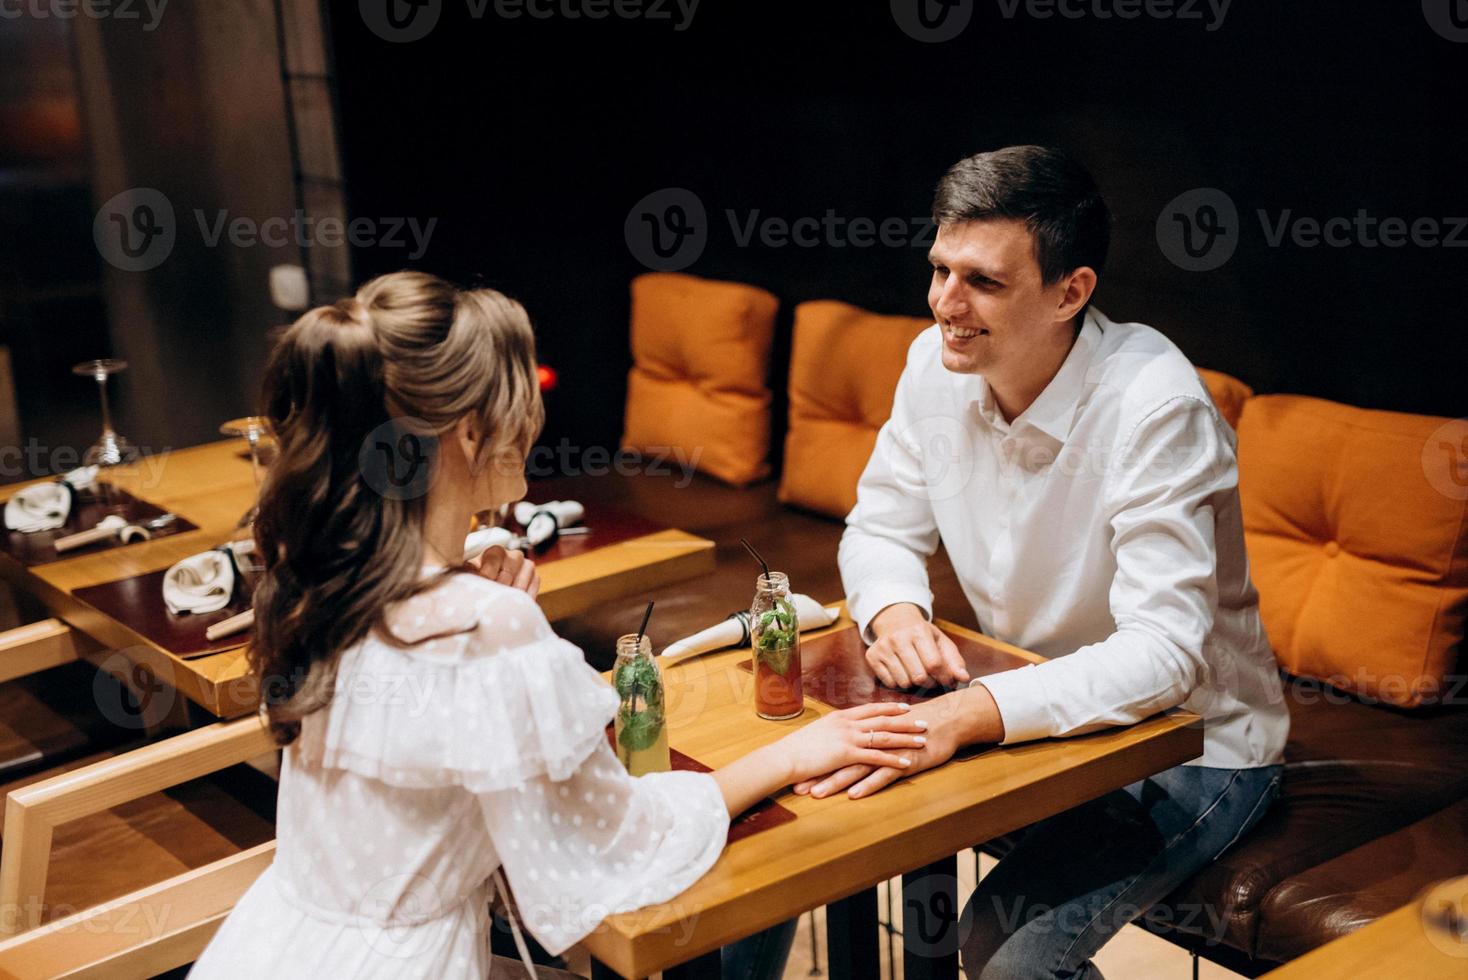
(912, 652)
(954, 720)
(510, 567)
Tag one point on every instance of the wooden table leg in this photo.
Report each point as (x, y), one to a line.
(709, 966)
(852, 945)
(930, 910)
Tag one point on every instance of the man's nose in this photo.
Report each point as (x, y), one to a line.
(950, 299)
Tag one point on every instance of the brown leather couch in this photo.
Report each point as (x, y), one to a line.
(1375, 803)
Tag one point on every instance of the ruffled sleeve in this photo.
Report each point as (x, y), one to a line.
(602, 842)
(486, 696)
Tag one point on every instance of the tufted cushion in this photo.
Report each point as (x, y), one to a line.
(1356, 544)
(844, 366)
(701, 352)
(1229, 394)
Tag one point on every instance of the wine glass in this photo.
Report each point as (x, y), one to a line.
(111, 449)
(253, 429)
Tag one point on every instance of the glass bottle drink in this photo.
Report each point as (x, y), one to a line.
(774, 632)
(641, 730)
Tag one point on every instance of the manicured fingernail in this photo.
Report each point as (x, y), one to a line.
(903, 705)
(906, 762)
(922, 724)
(921, 740)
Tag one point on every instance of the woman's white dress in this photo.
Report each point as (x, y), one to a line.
(481, 746)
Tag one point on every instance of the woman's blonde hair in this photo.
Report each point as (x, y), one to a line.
(404, 359)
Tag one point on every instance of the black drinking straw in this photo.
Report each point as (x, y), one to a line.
(643, 628)
(750, 548)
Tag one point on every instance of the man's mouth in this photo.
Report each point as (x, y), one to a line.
(964, 333)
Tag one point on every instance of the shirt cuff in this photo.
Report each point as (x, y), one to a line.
(1019, 695)
(877, 596)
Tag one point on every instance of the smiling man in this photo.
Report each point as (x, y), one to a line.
(1086, 490)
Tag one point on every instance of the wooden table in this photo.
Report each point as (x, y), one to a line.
(212, 486)
(839, 847)
(1403, 945)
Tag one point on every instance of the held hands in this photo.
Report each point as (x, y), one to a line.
(866, 736)
(509, 567)
(912, 652)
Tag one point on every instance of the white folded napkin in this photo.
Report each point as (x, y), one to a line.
(542, 521)
(733, 632)
(478, 542)
(45, 506)
(201, 583)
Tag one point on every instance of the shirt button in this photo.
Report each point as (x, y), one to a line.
(1332, 549)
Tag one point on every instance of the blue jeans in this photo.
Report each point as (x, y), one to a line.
(761, 956)
(1076, 878)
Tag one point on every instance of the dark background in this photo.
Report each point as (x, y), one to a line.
(531, 140)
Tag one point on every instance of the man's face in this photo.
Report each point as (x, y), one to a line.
(987, 295)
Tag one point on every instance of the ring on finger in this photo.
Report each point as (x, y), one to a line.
(871, 737)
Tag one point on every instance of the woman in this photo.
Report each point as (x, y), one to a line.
(435, 729)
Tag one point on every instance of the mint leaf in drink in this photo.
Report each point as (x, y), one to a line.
(638, 729)
(775, 655)
(638, 678)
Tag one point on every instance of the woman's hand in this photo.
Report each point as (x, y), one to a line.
(510, 567)
(867, 735)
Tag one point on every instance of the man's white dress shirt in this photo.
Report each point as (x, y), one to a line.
(1100, 528)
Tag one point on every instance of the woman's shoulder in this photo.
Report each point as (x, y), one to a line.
(466, 613)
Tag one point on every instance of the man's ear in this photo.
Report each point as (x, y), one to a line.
(1079, 286)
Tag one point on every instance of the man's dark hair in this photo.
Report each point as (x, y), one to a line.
(1044, 187)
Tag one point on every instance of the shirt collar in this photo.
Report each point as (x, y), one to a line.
(1052, 412)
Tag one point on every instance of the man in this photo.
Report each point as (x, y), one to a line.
(1086, 490)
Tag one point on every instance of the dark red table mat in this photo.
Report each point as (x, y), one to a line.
(137, 603)
(833, 669)
(607, 525)
(762, 816)
(37, 548)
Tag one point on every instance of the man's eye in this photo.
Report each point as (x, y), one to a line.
(941, 271)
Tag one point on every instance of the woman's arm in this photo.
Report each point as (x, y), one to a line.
(864, 735)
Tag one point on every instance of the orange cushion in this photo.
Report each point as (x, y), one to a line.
(844, 366)
(701, 354)
(1229, 394)
(1356, 543)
